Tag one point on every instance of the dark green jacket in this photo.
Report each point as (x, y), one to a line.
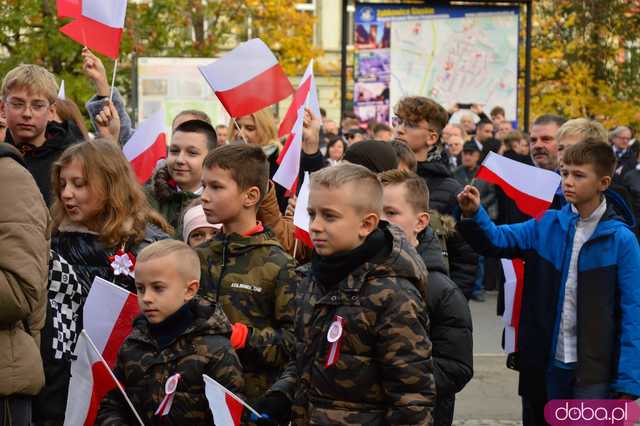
(143, 369)
(384, 374)
(163, 195)
(252, 278)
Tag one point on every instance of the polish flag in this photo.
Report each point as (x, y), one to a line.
(301, 219)
(513, 287)
(247, 79)
(531, 188)
(97, 24)
(147, 145)
(306, 95)
(289, 158)
(108, 319)
(226, 407)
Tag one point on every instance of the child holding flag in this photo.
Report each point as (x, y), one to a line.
(178, 338)
(589, 261)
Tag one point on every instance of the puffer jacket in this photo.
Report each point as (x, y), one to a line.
(384, 373)
(163, 195)
(253, 280)
(24, 244)
(143, 367)
(451, 330)
(460, 259)
(443, 188)
(84, 251)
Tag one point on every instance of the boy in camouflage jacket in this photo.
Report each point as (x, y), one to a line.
(363, 354)
(178, 333)
(245, 269)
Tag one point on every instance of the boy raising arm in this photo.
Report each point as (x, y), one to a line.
(591, 260)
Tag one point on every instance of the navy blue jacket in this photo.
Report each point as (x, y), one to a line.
(608, 291)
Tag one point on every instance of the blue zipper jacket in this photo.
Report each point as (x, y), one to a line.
(608, 291)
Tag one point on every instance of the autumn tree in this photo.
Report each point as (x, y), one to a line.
(585, 60)
(182, 28)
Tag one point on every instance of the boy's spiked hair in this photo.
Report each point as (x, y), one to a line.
(367, 194)
(33, 78)
(247, 164)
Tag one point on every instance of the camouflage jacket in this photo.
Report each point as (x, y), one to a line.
(143, 369)
(384, 373)
(253, 279)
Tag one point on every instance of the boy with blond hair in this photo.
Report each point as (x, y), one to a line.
(244, 268)
(178, 336)
(27, 99)
(363, 353)
(587, 261)
(578, 130)
(406, 205)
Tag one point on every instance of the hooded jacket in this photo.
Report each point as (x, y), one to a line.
(163, 195)
(384, 373)
(24, 227)
(143, 367)
(252, 279)
(39, 160)
(443, 187)
(608, 300)
(451, 330)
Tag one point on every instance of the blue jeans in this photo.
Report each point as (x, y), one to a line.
(561, 385)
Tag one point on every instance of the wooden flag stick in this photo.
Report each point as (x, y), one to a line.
(239, 131)
(93, 346)
(295, 248)
(113, 79)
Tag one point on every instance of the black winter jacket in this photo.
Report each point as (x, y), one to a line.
(451, 330)
(40, 160)
(89, 258)
(632, 184)
(443, 188)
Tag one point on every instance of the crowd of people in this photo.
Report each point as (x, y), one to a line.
(372, 324)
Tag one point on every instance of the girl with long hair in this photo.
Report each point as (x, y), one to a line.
(101, 221)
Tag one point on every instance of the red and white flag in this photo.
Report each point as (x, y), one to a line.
(531, 188)
(108, 319)
(61, 93)
(247, 79)
(147, 145)
(306, 95)
(97, 24)
(226, 407)
(301, 219)
(289, 158)
(513, 287)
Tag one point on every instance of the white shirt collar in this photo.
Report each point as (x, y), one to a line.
(198, 191)
(596, 214)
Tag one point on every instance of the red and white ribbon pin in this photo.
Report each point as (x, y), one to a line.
(334, 337)
(170, 391)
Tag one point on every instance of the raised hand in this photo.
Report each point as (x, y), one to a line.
(469, 201)
(94, 69)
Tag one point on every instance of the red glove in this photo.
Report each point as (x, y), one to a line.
(239, 335)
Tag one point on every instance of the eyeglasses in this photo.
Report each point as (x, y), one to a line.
(398, 121)
(37, 107)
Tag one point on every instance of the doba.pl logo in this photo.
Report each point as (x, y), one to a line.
(593, 412)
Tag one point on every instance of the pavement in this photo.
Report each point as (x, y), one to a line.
(491, 397)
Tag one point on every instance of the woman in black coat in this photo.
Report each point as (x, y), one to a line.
(99, 211)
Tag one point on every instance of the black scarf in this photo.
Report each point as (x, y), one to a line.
(173, 326)
(330, 270)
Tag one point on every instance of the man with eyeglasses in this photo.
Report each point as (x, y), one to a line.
(27, 99)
